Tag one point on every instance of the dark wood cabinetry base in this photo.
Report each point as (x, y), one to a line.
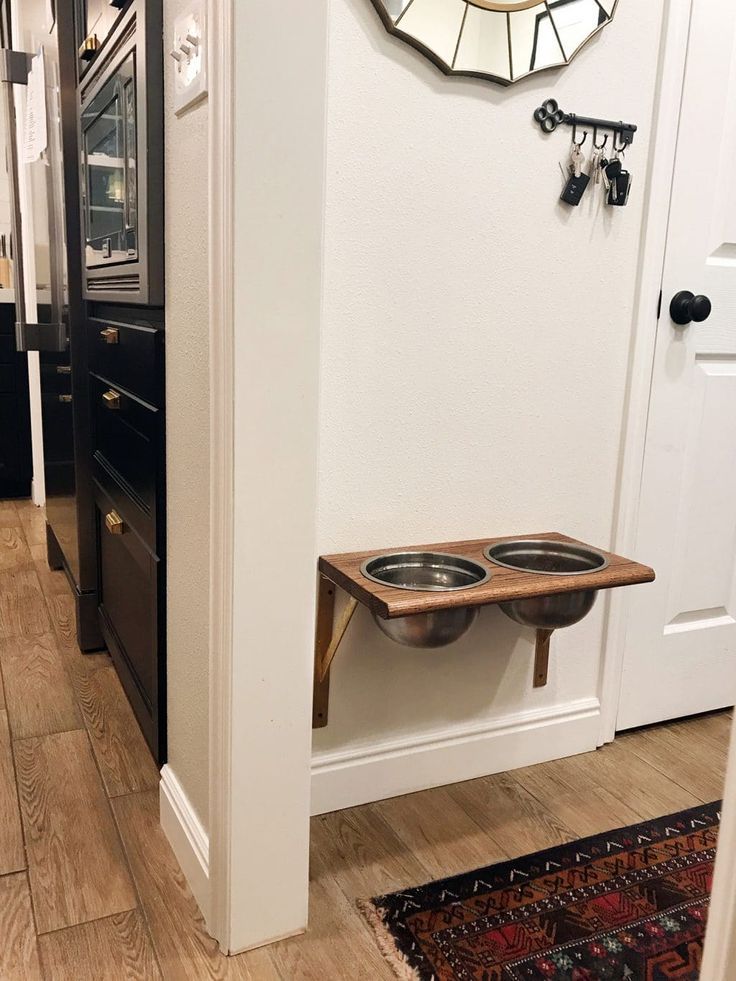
(89, 635)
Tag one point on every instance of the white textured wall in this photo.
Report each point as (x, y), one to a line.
(475, 341)
(187, 436)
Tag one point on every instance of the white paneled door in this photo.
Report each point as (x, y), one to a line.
(681, 638)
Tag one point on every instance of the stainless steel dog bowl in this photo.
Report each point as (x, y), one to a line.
(427, 572)
(548, 558)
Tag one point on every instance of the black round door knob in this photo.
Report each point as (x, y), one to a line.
(686, 308)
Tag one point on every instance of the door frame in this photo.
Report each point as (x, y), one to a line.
(261, 665)
(221, 126)
(665, 131)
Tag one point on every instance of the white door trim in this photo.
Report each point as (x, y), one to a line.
(266, 215)
(222, 335)
(720, 946)
(673, 58)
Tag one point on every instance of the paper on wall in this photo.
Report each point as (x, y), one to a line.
(35, 135)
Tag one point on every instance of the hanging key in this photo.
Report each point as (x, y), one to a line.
(595, 165)
(578, 182)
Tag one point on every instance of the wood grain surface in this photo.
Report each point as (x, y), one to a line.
(76, 864)
(504, 584)
(33, 520)
(22, 605)
(14, 552)
(185, 949)
(122, 755)
(39, 695)
(18, 950)
(117, 948)
(12, 852)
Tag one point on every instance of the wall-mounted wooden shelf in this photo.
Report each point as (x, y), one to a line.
(503, 586)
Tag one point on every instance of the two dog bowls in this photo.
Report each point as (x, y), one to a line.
(441, 572)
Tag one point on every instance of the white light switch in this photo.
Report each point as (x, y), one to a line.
(189, 51)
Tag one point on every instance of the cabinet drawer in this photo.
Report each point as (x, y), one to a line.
(132, 360)
(56, 379)
(126, 434)
(129, 588)
(140, 520)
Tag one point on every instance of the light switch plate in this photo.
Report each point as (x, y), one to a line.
(190, 68)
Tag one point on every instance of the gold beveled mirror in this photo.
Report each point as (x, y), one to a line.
(503, 40)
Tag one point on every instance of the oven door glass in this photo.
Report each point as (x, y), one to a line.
(109, 170)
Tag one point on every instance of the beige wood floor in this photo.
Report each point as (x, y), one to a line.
(90, 890)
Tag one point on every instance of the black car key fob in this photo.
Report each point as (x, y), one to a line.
(575, 189)
(618, 195)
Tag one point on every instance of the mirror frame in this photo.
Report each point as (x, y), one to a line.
(396, 31)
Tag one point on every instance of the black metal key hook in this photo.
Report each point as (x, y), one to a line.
(550, 116)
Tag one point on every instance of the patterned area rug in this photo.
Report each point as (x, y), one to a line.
(629, 904)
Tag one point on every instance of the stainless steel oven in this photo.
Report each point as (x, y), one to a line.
(121, 173)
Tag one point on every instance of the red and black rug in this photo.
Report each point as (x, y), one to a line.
(629, 904)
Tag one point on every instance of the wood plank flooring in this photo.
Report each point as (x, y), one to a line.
(90, 889)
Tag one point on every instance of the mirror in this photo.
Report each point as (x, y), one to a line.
(502, 40)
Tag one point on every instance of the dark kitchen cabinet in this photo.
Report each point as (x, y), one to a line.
(126, 384)
(132, 594)
(115, 114)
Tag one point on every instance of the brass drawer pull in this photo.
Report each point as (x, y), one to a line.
(63, 369)
(111, 398)
(89, 47)
(114, 523)
(65, 398)
(110, 335)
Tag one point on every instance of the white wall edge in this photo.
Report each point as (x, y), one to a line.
(187, 837)
(719, 954)
(220, 15)
(403, 766)
(668, 97)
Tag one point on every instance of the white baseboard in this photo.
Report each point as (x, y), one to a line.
(389, 769)
(187, 838)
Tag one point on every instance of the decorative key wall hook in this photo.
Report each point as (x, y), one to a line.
(550, 116)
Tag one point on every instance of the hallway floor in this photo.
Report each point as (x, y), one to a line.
(90, 890)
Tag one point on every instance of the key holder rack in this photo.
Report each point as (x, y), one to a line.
(549, 116)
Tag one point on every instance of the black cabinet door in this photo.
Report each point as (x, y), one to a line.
(16, 468)
(131, 590)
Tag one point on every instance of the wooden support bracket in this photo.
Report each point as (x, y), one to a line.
(328, 637)
(541, 658)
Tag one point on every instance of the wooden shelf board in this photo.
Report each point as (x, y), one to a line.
(504, 585)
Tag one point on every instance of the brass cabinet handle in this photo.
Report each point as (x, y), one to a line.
(89, 47)
(110, 335)
(65, 398)
(63, 369)
(111, 398)
(114, 523)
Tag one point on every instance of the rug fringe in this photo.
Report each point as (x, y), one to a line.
(391, 953)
